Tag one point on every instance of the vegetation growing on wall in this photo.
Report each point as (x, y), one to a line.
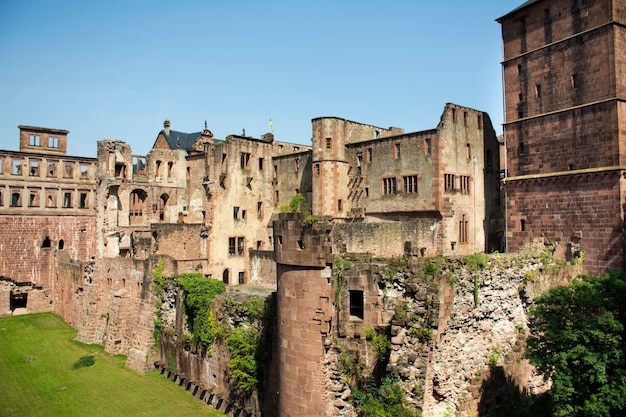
(339, 279)
(158, 288)
(385, 399)
(198, 292)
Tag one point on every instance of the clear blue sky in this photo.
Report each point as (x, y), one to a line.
(117, 69)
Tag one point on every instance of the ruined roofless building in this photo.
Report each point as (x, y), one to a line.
(47, 218)
(565, 127)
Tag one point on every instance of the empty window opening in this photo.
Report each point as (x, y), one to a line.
(137, 200)
(275, 171)
(468, 151)
(34, 169)
(67, 199)
(261, 164)
(521, 149)
(162, 206)
(276, 196)
(398, 151)
(51, 199)
(47, 243)
(243, 214)
(139, 165)
(317, 169)
(68, 173)
(428, 146)
(339, 205)
(34, 140)
(84, 171)
(17, 168)
(356, 304)
(369, 154)
(410, 184)
(240, 247)
(259, 244)
(170, 170)
(83, 200)
(538, 90)
(244, 160)
(61, 244)
(259, 209)
(52, 169)
(454, 115)
(367, 191)
(120, 170)
(235, 212)
(33, 199)
(225, 276)
(523, 225)
(300, 245)
(157, 169)
(575, 80)
(390, 186)
(520, 97)
(329, 143)
(465, 118)
(480, 121)
(16, 199)
(18, 300)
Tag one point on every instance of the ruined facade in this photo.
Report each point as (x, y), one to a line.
(565, 127)
(47, 218)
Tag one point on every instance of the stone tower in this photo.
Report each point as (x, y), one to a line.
(304, 315)
(565, 127)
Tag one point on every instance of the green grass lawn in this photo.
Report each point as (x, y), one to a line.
(38, 377)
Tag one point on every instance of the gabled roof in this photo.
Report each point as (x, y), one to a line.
(181, 140)
(523, 6)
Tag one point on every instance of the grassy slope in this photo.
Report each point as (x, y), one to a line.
(37, 377)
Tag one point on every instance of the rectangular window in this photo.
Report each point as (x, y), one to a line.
(368, 157)
(242, 277)
(480, 121)
(449, 182)
(538, 90)
(575, 80)
(339, 205)
(259, 209)
(356, 303)
(33, 199)
(329, 143)
(389, 186)
(468, 151)
(1, 198)
(232, 243)
(34, 169)
(68, 170)
(410, 184)
(523, 225)
(261, 164)
(16, 198)
(67, 199)
(51, 198)
(84, 169)
(34, 140)
(245, 160)
(465, 184)
(275, 171)
(17, 168)
(53, 142)
(317, 169)
(240, 246)
(259, 244)
(52, 169)
(235, 212)
(463, 229)
(428, 146)
(83, 200)
(397, 151)
(465, 118)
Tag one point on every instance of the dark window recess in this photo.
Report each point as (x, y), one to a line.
(46, 243)
(356, 303)
(18, 301)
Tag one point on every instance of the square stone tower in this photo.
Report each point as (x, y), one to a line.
(565, 127)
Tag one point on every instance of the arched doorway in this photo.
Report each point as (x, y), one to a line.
(162, 206)
(225, 277)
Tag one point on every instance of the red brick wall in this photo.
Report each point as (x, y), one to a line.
(584, 209)
(22, 258)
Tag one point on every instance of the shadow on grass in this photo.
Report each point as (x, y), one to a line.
(502, 397)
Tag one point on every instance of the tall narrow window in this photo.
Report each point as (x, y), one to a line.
(137, 200)
(34, 169)
(390, 186)
(575, 81)
(16, 199)
(17, 168)
(356, 304)
(52, 169)
(33, 200)
(235, 212)
(67, 199)
(242, 277)
(369, 155)
(538, 90)
(68, 169)
(232, 246)
(339, 205)
(410, 184)
(261, 164)
(468, 151)
(465, 184)
(428, 146)
(259, 209)
(240, 246)
(244, 160)
(449, 182)
(397, 151)
(329, 143)
(463, 229)
(317, 169)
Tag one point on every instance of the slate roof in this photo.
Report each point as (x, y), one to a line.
(181, 140)
(526, 4)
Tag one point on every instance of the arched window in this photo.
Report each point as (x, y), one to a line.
(225, 277)
(136, 206)
(162, 206)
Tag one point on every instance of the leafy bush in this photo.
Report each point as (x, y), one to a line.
(243, 345)
(387, 399)
(477, 261)
(84, 362)
(379, 342)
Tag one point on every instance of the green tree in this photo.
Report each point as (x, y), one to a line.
(577, 341)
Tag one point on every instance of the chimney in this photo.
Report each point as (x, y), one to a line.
(166, 126)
